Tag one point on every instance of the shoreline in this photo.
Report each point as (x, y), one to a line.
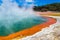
(30, 31)
(50, 33)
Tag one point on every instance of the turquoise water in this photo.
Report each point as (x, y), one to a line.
(21, 25)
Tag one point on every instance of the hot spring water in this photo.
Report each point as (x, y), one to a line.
(14, 19)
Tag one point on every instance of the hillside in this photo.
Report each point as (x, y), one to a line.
(48, 7)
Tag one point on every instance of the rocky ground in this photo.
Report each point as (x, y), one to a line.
(51, 33)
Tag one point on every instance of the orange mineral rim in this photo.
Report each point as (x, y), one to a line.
(30, 31)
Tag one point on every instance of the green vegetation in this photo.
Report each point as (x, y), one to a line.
(48, 7)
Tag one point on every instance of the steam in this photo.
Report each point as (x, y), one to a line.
(13, 18)
(10, 13)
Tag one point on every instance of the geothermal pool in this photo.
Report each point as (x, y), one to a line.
(21, 25)
(15, 21)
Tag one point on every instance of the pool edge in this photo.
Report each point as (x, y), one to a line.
(30, 31)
